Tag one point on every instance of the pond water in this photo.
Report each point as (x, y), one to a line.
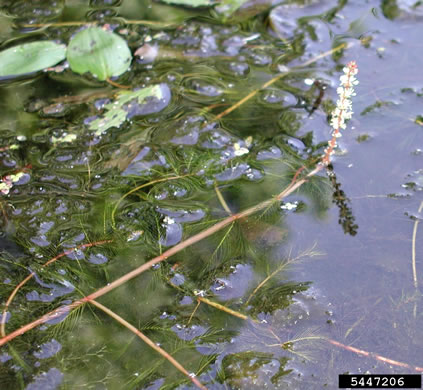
(325, 282)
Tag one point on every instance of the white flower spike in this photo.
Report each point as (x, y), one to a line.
(343, 110)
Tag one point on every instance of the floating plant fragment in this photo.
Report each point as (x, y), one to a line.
(65, 138)
(289, 206)
(239, 150)
(8, 181)
(190, 3)
(414, 181)
(102, 53)
(30, 57)
(132, 103)
(404, 9)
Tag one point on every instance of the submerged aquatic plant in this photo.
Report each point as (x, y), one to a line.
(339, 116)
(342, 113)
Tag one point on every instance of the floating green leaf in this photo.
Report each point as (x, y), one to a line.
(30, 57)
(191, 3)
(100, 52)
(131, 103)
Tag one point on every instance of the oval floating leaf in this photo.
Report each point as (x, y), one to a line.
(30, 57)
(100, 52)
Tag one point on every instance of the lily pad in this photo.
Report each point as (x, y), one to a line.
(132, 103)
(30, 57)
(102, 53)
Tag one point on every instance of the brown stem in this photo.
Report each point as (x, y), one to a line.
(117, 85)
(164, 256)
(278, 77)
(222, 199)
(222, 308)
(151, 344)
(194, 311)
(29, 277)
(374, 355)
(194, 239)
(84, 98)
(333, 342)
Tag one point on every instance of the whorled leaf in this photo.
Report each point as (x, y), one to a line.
(102, 53)
(132, 103)
(30, 57)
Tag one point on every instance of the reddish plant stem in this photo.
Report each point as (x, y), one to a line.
(333, 342)
(342, 46)
(375, 356)
(164, 256)
(299, 170)
(150, 343)
(29, 277)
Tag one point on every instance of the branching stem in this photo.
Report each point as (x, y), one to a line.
(64, 310)
(151, 344)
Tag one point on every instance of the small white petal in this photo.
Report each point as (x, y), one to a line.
(344, 79)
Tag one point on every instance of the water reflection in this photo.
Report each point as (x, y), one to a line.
(227, 308)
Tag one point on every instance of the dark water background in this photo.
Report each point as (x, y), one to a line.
(360, 290)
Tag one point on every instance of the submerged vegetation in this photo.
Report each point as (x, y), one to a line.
(155, 162)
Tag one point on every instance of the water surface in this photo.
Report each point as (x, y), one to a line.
(331, 267)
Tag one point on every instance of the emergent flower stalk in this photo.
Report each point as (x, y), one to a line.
(343, 110)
